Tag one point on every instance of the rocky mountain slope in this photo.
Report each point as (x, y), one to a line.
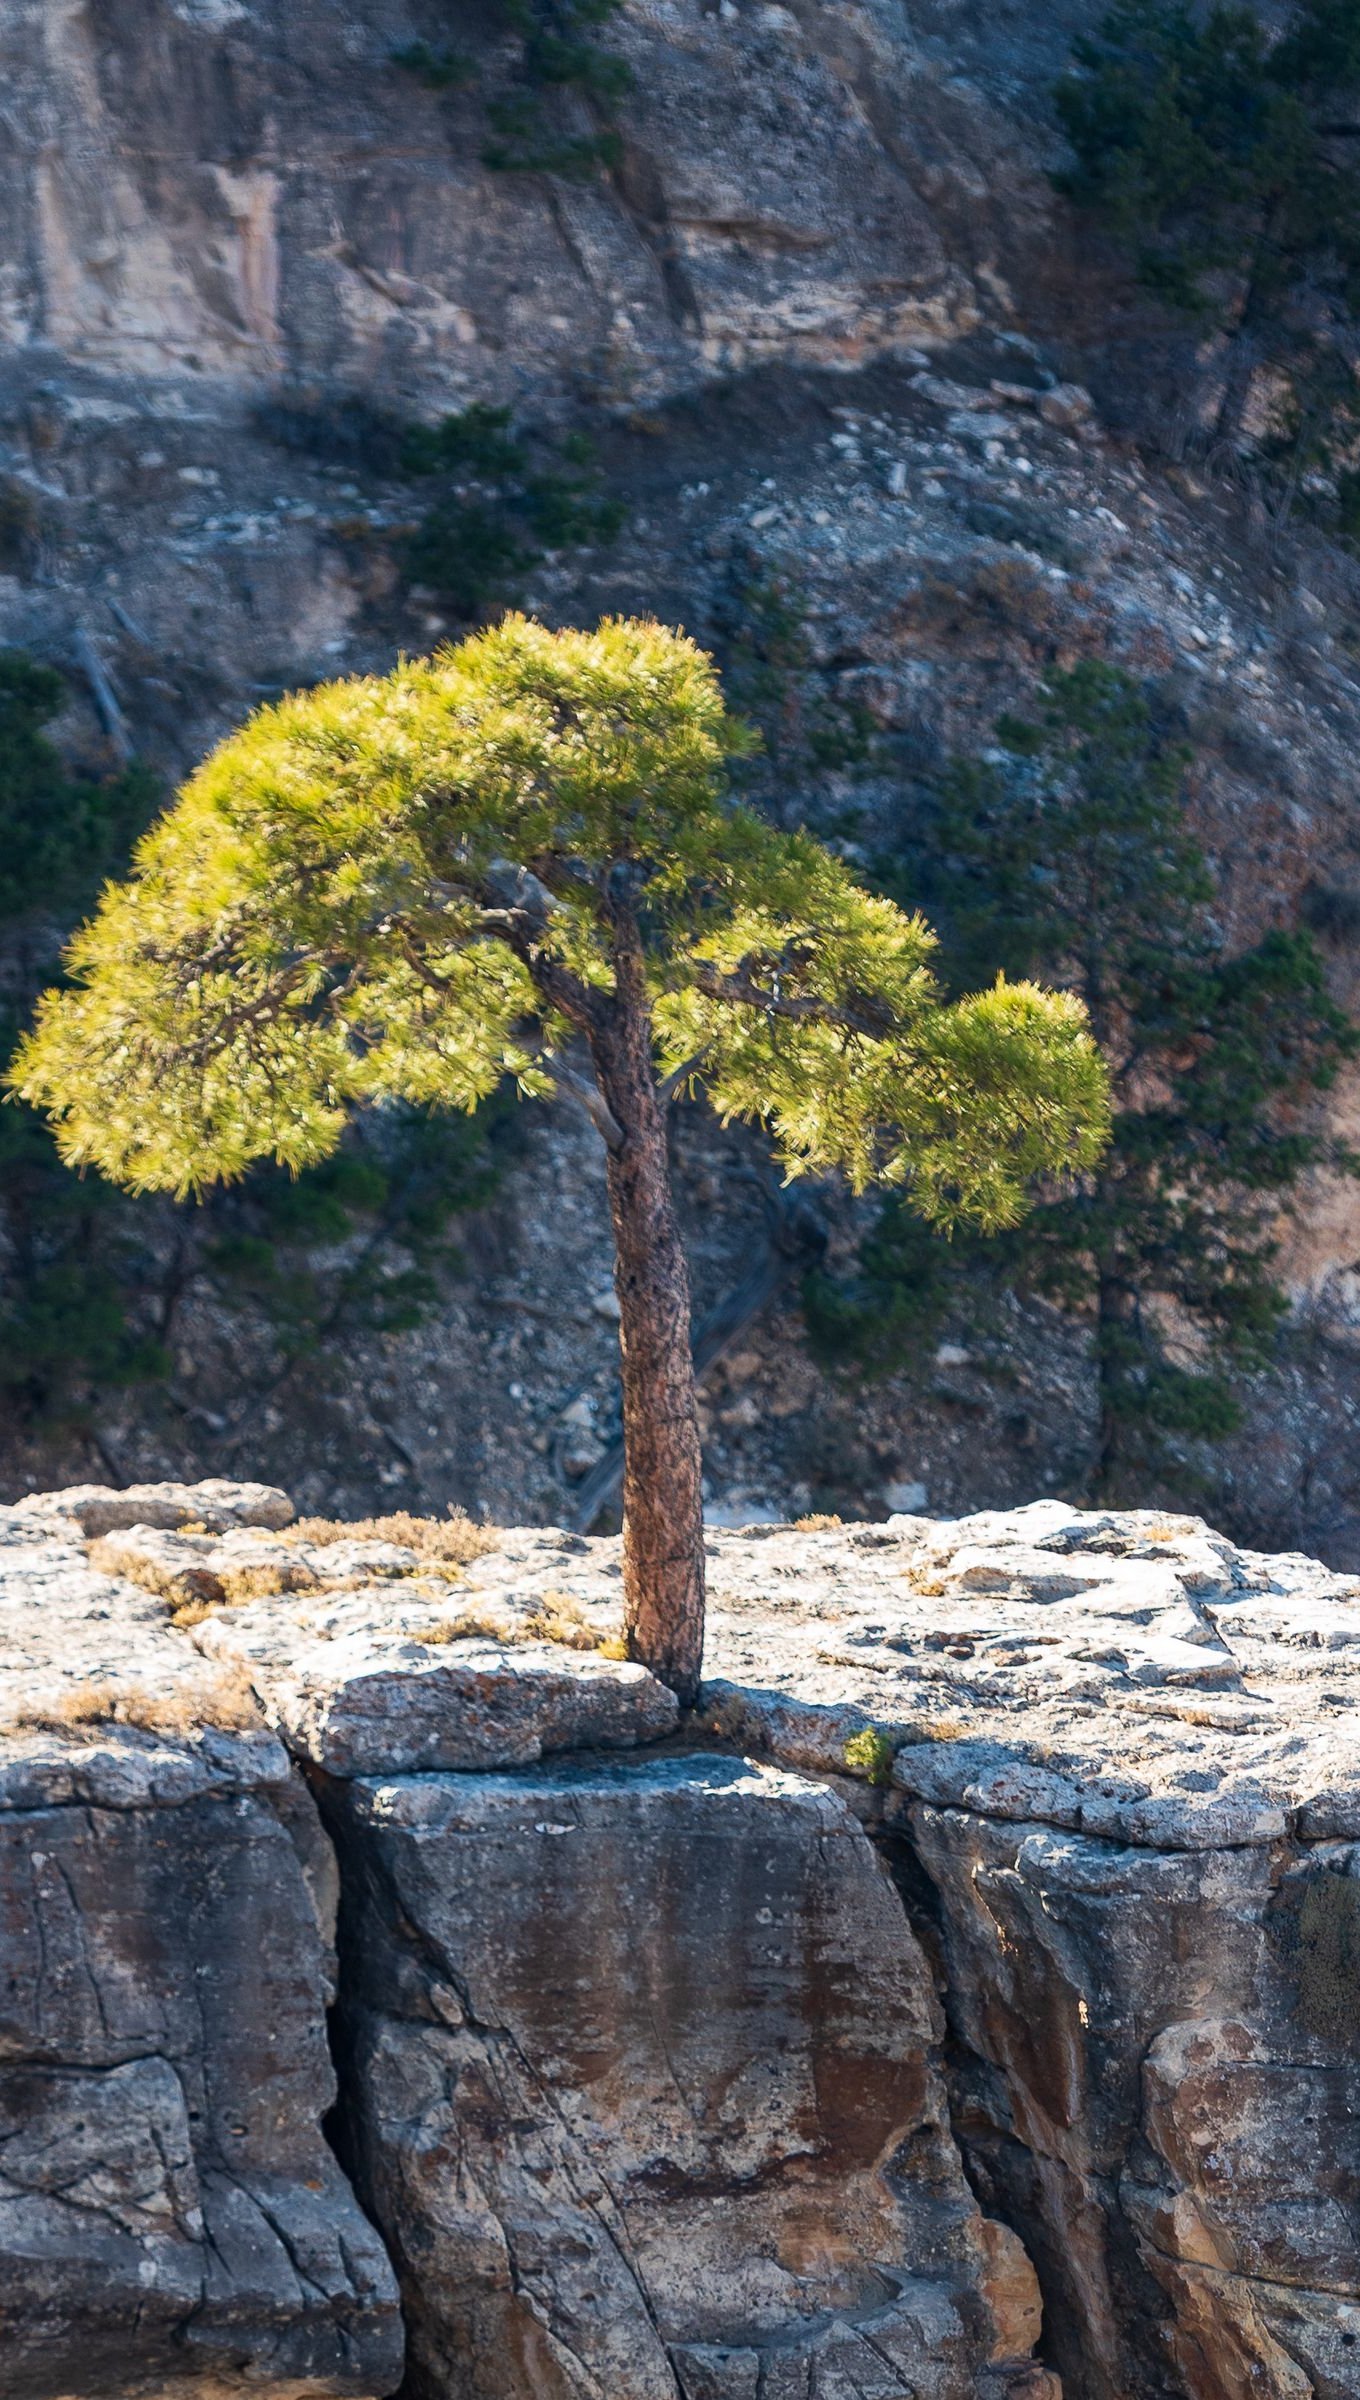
(960, 2003)
(833, 337)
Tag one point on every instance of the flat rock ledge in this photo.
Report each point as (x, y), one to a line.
(964, 2000)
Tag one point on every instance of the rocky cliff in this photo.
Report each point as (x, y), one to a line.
(960, 2004)
(823, 319)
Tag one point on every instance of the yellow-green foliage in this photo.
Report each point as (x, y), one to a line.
(870, 1753)
(321, 920)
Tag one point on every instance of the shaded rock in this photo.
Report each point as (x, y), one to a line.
(1067, 405)
(645, 2092)
(168, 2208)
(1149, 2089)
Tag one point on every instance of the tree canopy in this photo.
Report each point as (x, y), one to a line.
(403, 888)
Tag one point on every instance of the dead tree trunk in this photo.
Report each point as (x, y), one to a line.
(663, 1515)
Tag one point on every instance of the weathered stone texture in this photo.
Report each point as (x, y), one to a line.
(171, 2218)
(355, 1690)
(167, 2203)
(645, 2093)
(247, 188)
(656, 2080)
(1158, 2080)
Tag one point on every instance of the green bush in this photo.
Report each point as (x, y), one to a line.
(770, 671)
(557, 53)
(505, 500)
(440, 70)
(870, 1754)
(60, 832)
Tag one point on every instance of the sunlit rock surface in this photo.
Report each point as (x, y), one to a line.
(962, 1999)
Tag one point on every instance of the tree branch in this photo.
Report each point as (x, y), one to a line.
(597, 1108)
(678, 1076)
(798, 1007)
(110, 714)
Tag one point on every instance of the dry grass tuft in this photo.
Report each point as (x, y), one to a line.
(817, 1524)
(1168, 1529)
(191, 1613)
(471, 1625)
(191, 1591)
(222, 1699)
(559, 1617)
(265, 1583)
(554, 1617)
(454, 1539)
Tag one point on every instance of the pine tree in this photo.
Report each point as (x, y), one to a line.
(62, 1314)
(58, 832)
(1227, 159)
(1069, 856)
(408, 888)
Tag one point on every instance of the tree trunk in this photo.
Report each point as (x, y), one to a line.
(1240, 376)
(1114, 1311)
(663, 1516)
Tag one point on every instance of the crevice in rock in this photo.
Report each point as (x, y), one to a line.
(1021, 2185)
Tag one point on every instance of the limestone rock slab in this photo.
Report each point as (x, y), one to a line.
(354, 1688)
(216, 1504)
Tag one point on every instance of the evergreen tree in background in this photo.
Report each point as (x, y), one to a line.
(1227, 159)
(90, 1283)
(63, 1314)
(58, 832)
(1068, 857)
(404, 889)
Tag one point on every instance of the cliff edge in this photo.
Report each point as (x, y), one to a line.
(963, 1999)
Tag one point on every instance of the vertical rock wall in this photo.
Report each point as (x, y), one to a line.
(168, 2206)
(1156, 2074)
(643, 2088)
(658, 2079)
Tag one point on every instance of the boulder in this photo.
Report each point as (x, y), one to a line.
(97, 1508)
(356, 1685)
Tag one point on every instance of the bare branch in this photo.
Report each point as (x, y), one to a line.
(110, 714)
(679, 1076)
(597, 1108)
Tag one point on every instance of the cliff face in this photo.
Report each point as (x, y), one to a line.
(827, 2044)
(237, 191)
(821, 321)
